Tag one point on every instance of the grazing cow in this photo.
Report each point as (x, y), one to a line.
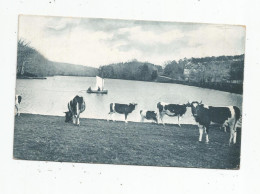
(149, 115)
(18, 100)
(121, 109)
(226, 116)
(75, 106)
(171, 110)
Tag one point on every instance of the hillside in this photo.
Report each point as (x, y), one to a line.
(32, 63)
(223, 73)
(133, 70)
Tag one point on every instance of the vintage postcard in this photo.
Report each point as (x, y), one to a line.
(129, 92)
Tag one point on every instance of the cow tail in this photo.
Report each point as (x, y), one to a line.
(111, 108)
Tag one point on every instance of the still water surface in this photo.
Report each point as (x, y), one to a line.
(50, 96)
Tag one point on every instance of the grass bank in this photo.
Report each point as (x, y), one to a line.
(49, 138)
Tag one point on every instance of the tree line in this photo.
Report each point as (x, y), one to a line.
(222, 73)
(31, 63)
(223, 69)
(132, 70)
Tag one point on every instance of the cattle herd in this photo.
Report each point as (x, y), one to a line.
(226, 117)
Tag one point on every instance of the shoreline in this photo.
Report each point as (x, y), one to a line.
(49, 138)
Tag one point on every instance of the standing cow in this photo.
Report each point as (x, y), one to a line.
(122, 109)
(226, 116)
(149, 115)
(75, 106)
(171, 110)
(18, 100)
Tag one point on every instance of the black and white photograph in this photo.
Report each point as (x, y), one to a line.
(129, 92)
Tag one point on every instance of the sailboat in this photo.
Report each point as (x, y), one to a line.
(99, 87)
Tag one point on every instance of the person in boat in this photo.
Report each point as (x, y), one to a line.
(98, 89)
(89, 89)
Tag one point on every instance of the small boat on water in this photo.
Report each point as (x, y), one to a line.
(99, 87)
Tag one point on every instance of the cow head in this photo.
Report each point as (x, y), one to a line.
(195, 107)
(188, 104)
(68, 116)
(132, 105)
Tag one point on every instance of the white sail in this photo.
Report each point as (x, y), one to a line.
(99, 83)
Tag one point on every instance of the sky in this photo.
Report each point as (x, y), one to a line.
(95, 42)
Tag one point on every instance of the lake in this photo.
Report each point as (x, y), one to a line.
(51, 96)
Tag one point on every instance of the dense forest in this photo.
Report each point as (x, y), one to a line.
(33, 64)
(133, 70)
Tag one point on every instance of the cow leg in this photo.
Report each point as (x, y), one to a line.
(231, 137)
(156, 120)
(77, 121)
(235, 137)
(17, 109)
(207, 134)
(161, 117)
(179, 120)
(125, 117)
(74, 119)
(201, 132)
(142, 119)
(233, 133)
(109, 116)
(113, 117)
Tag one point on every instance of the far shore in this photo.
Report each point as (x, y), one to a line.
(224, 87)
(49, 138)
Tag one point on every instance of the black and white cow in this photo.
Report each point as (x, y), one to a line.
(121, 109)
(18, 100)
(171, 110)
(225, 116)
(149, 115)
(75, 106)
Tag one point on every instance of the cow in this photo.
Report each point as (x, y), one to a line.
(122, 109)
(171, 110)
(225, 116)
(149, 115)
(18, 100)
(75, 106)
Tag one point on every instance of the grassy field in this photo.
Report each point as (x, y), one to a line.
(49, 138)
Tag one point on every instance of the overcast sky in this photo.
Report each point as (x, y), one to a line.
(95, 42)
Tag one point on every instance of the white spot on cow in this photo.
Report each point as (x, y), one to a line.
(206, 106)
(195, 105)
(163, 103)
(169, 113)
